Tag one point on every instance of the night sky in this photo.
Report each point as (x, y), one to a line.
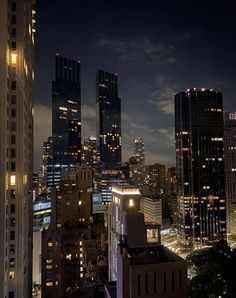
(158, 48)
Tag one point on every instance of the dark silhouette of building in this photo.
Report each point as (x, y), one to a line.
(108, 117)
(66, 115)
(200, 166)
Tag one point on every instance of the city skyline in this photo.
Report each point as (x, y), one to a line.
(155, 54)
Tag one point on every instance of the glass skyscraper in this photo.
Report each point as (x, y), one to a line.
(66, 116)
(108, 117)
(200, 166)
(230, 169)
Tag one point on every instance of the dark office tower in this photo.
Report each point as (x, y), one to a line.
(66, 113)
(108, 117)
(200, 167)
(230, 170)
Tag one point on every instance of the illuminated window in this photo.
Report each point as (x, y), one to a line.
(25, 179)
(13, 58)
(11, 275)
(81, 255)
(131, 202)
(50, 244)
(49, 283)
(49, 267)
(13, 180)
(81, 275)
(49, 261)
(80, 202)
(69, 256)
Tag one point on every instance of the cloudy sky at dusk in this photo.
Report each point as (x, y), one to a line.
(158, 48)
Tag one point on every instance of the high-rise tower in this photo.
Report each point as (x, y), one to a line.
(66, 116)
(16, 147)
(230, 170)
(200, 166)
(139, 151)
(108, 117)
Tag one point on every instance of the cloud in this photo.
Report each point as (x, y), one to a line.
(88, 112)
(189, 35)
(168, 133)
(140, 50)
(162, 95)
(42, 129)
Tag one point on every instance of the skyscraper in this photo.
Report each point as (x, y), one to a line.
(137, 162)
(66, 115)
(108, 107)
(200, 166)
(16, 147)
(139, 151)
(230, 170)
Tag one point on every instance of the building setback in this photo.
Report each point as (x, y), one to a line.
(230, 170)
(200, 166)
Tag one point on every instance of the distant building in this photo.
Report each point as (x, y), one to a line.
(230, 169)
(152, 209)
(199, 129)
(137, 162)
(17, 39)
(171, 195)
(139, 266)
(155, 178)
(66, 116)
(46, 161)
(89, 154)
(108, 107)
(41, 212)
(111, 174)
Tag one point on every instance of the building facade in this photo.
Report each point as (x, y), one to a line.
(64, 243)
(152, 209)
(108, 106)
(230, 169)
(139, 266)
(200, 166)
(17, 29)
(66, 115)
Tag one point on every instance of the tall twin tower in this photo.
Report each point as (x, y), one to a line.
(66, 117)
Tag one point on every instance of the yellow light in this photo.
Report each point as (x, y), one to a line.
(13, 58)
(13, 180)
(62, 108)
(25, 179)
(11, 275)
(126, 191)
(131, 203)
